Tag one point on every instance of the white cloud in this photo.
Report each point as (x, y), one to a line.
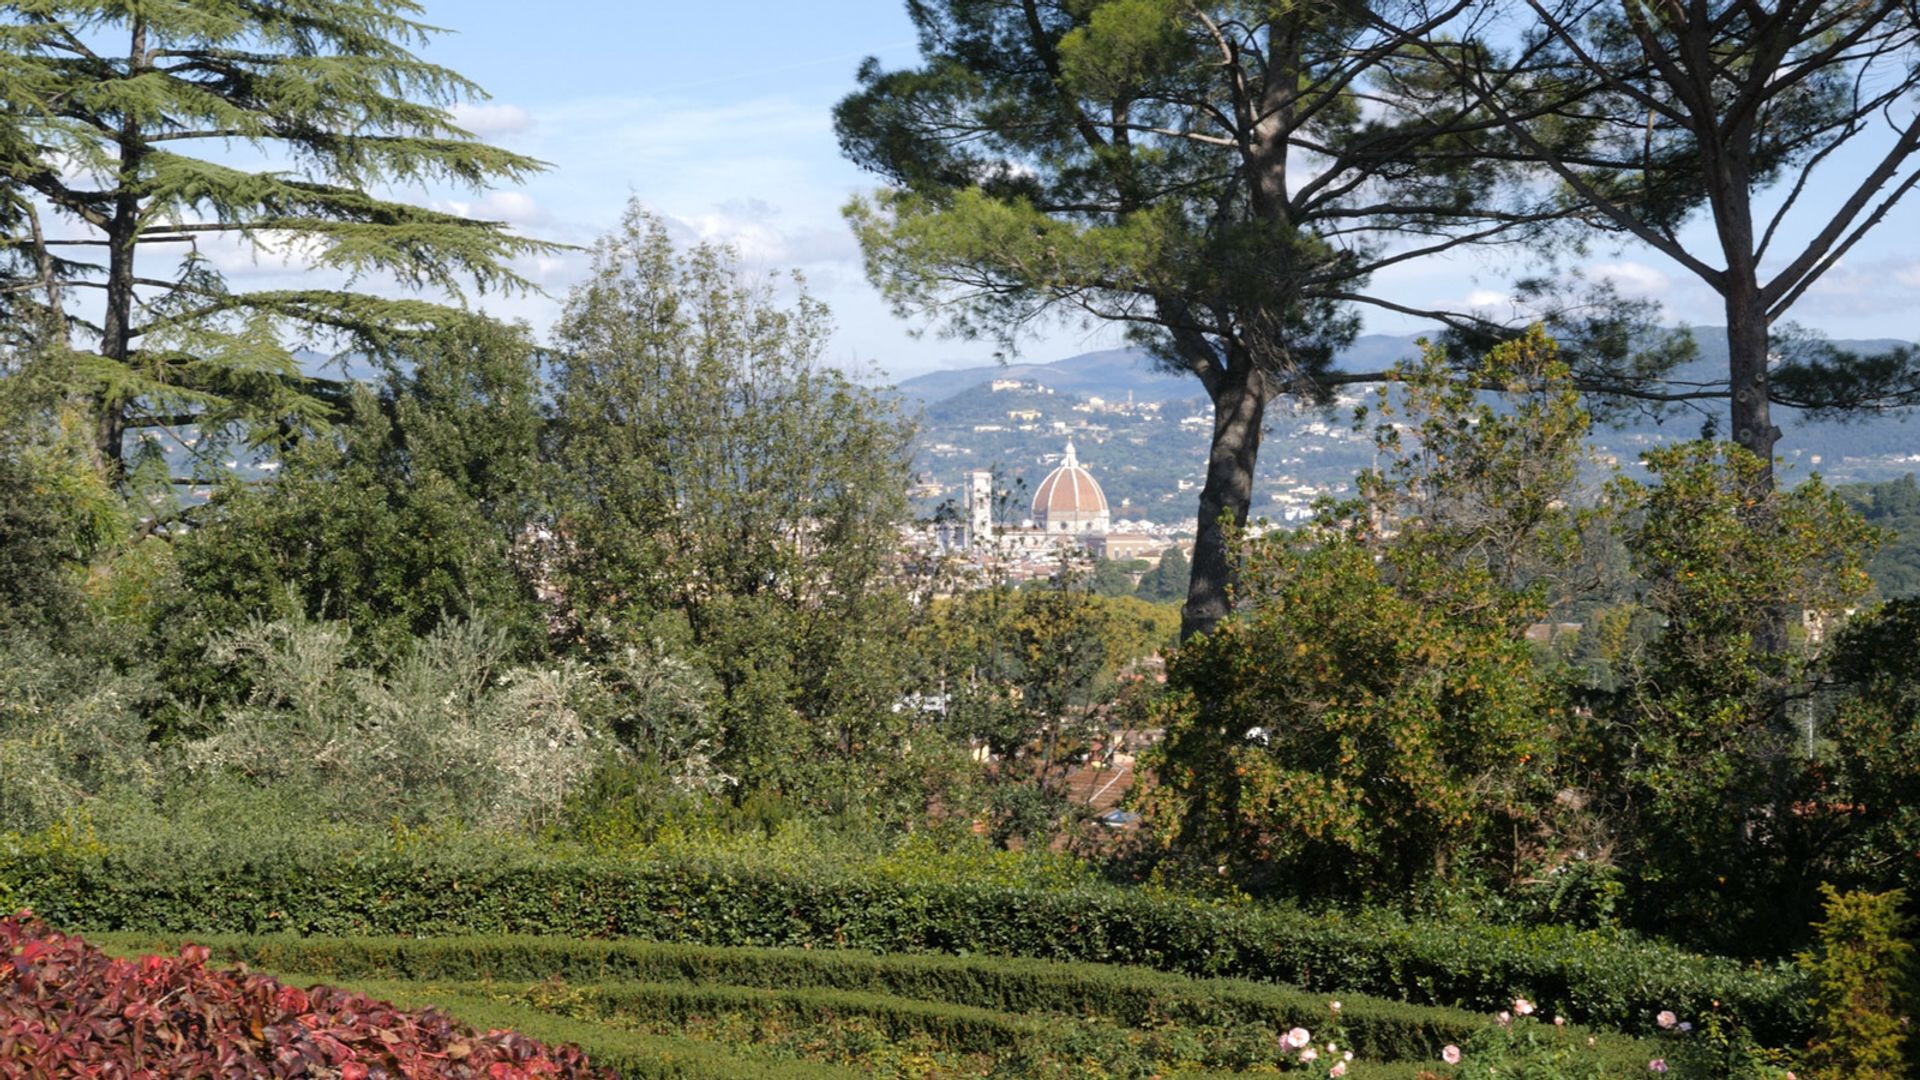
(511, 207)
(754, 229)
(491, 121)
(269, 250)
(1854, 290)
(1635, 278)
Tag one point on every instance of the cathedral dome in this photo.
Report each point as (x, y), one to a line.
(1069, 500)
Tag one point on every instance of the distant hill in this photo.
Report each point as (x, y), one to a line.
(1108, 373)
(1115, 373)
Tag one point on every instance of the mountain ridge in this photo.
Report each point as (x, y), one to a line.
(1114, 373)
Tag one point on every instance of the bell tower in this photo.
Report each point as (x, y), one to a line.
(979, 505)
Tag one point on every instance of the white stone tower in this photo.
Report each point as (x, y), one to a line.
(979, 508)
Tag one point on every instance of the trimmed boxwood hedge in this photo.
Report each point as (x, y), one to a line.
(633, 1055)
(970, 1003)
(644, 1056)
(1128, 996)
(1606, 979)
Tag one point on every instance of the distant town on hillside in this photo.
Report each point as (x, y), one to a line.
(1143, 433)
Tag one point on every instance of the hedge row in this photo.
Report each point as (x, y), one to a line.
(1601, 978)
(1378, 1029)
(634, 1055)
(644, 1056)
(969, 1005)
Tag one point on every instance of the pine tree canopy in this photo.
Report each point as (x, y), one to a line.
(135, 128)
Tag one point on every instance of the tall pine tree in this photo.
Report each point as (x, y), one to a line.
(1787, 126)
(1223, 180)
(128, 141)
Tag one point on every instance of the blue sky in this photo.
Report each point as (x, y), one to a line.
(717, 118)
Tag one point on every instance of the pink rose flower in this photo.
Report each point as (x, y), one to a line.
(1666, 1019)
(1451, 1055)
(1299, 1037)
(1523, 1006)
(1657, 1065)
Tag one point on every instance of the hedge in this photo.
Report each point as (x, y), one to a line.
(1377, 1028)
(643, 1056)
(972, 1005)
(1606, 979)
(634, 1055)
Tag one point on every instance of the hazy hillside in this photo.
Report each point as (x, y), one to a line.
(1114, 373)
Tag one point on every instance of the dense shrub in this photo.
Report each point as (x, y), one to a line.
(429, 888)
(1874, 739)
(405, 518)
(70, 729)
(1865, 988)
(1369, 723)
(1723, 819)
(67, 1008)
(452, 730)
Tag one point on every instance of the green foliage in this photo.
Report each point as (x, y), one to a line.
(1527, 1048)
(1866, 986)
(107, 105)
(56, 514)
(633, 1054)
(39, 560)
(1146, 190)
(1873, 743)
(1522, 1044)
(452, 731)
(1895, 507)
(71, 729)
(1114, 577)
(1719, 1046)
(410, 516)
(1480, 473)
(1718, 807)
(216, 876)
(1167, 582)
(1340, 736)
(1725, 559)
(703, 505)
(1371, 723)
(1026, 673)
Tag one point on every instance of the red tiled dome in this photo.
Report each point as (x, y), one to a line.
(1069, 494)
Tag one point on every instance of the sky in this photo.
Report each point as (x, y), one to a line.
(719, 120)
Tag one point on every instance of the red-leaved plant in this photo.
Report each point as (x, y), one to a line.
(68, 1009)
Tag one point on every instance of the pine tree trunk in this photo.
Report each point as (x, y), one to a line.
(1748, 344)
(1751, 412)
(1239, 409)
